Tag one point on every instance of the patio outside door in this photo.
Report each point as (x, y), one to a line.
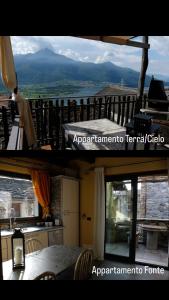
(152, 220)
(120, 213)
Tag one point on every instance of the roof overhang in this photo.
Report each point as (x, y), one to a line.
(119, 40)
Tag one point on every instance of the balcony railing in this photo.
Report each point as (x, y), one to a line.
(49, 114)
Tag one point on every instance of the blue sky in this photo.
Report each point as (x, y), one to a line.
(98, 52)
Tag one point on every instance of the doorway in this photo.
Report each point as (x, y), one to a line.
(152, 220)
(137, 218)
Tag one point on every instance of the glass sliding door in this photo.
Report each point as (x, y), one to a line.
(152, 220)
(119, 218)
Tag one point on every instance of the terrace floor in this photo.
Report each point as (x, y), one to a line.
(144, 255)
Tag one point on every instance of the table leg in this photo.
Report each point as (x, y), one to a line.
(152, 240)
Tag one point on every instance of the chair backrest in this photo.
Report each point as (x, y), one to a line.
(46, 276)
(142, 123)
(33, 245)
(84, 265)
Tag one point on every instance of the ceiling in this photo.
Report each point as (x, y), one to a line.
(54, 162)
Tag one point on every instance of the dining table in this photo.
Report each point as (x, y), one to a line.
(100, 134)
(152, 234)
(56, 259)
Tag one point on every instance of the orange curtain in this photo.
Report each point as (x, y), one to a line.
(41, 185)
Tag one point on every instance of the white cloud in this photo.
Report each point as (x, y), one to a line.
(98, 52)
(160, 44)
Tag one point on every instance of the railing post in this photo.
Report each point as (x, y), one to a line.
(119, 110)
(109, 108)
(114, 108)
(127, 109)
(37, 115)
(62, 121)
(45, 127)
(50, 123)
(100, 107)
(5, 125)
(105, 107)
(57, 125)
(74, 111)
(62, 112)
(138, 105)
(68, 111)
(132, 107)
(88, 109)
(81, 110)
(94, 108)
(123, 110)
(13, 109)
(41, 121)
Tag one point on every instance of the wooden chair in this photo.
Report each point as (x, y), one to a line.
(46, 276)
(84, 265)
(33, 245)
(140, 126)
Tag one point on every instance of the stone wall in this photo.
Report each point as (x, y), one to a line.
(153, 200)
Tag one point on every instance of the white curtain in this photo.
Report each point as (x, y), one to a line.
(168, 185)
(168, 168)
(9, 79)
(99, 215)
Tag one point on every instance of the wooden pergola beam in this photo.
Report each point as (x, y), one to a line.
(119, 40)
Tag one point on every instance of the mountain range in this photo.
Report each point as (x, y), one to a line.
(45, 66)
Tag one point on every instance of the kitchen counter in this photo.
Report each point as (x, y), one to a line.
(5, 233)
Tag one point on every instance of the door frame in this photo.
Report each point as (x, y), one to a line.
(134, 199)
(131, 257)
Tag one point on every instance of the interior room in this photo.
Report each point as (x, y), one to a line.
(114, 209)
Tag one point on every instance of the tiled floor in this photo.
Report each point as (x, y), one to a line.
(142, 272)
(157, 257)
(121, 249)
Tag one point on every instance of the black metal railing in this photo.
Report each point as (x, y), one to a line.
(49, 114)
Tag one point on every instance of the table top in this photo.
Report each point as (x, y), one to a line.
(99, 128)
(55, 259)
(154, 227)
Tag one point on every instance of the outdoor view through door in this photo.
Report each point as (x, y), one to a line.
(137, 214)
(152, 218)
(118, 217)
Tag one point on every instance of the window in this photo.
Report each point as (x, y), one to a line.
(17, 198)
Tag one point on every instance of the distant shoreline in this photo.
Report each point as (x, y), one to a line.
(67, 89)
